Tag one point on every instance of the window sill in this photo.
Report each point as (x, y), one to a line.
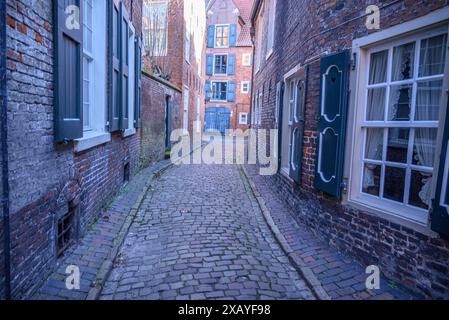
(129, 132)
(91, 139)
(418, 226)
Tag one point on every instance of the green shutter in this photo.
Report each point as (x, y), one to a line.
(138, 83)
(297, 130)
(68, 71)
(114, 44)
(124, 67)
(440, 205)
(332, 123)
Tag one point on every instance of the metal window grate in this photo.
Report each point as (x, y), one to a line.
(65, 231)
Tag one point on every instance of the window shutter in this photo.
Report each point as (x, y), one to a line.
(209, 64)
(297, 131)
(233, 35)
(440, 205)
(231, 64)
(332, 123)
(231, 91)
(68, 80)
(138, 81)
(210, 36)
(114, 44)
(208, 90)
(124, 67)
(280, 106)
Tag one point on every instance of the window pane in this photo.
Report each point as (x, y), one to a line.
(394, 184)
(424, 146)
(432, 56)
(428, 100)
(299, 101)
(374, 144)
(371, 179)
(376, 104)
(225, 31)
(420, 189)
(397, 145)
(400, 103)
(378, 67)
(403, 62)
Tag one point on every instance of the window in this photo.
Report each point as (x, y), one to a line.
(222, 36)
(259, 44)
(258, 108)
(246, 59)
(271, 27)
(155, 27)
(187, 45)
(66, 232)
(403, 91)
(131, 80)
(94, 65)
(219, 90)
(243, 118)
(220, 64)
(245, 86)
(186, 110)
(198, 114)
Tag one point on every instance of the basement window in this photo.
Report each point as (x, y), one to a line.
(65, 231)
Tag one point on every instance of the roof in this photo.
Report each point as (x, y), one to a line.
(245, 7)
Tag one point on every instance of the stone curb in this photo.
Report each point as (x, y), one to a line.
(304, 271)
(107, 265)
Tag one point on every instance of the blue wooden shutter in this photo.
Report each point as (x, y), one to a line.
(332, 123)
(231, 64)
(209, 64)
(68, 71)
(138, 83)
(210, 36)
(114, 44)
(208, 90)
(440, 205)
(280, 88)
(124, 67)
(297, 130)
(233, 35)
(231, 91)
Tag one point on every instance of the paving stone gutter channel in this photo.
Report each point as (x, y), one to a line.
(305, 272)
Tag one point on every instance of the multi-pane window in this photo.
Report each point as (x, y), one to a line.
(88, 59)
(271, 26)
(187, 45)
(155, 27)
(220, 64)
(246, 59)
(403, 94)
(219, 90)
(222, 36)
(245, 87)
(243, 118)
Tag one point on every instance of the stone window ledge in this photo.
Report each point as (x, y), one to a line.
(129, 132)
(91, 139)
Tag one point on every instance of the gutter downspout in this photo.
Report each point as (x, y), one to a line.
(4, 152)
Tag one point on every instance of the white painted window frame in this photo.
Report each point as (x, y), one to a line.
(227, 63)
(362, 47)
(96, 133)
(185, 115)
(245, 114)
(131, 82)
(215, 35)
(242, 87)
(244, 57)
(271, 28)
(212, 90)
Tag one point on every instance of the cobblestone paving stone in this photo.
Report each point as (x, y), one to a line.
(341, 276)
(199, 234)
(90, 252)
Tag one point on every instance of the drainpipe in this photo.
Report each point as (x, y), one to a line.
(4, 152)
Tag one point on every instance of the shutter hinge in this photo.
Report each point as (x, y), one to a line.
(354, 61)
(344, 185)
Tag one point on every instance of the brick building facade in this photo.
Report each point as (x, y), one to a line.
(360, 113)
(228, 65)
(67, 158)
(176, 54)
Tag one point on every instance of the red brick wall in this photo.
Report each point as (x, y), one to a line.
(305, 29)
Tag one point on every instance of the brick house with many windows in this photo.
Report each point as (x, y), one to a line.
(363, 131)
(228, 65)
(173, 50)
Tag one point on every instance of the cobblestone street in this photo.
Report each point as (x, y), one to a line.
(200, 234)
